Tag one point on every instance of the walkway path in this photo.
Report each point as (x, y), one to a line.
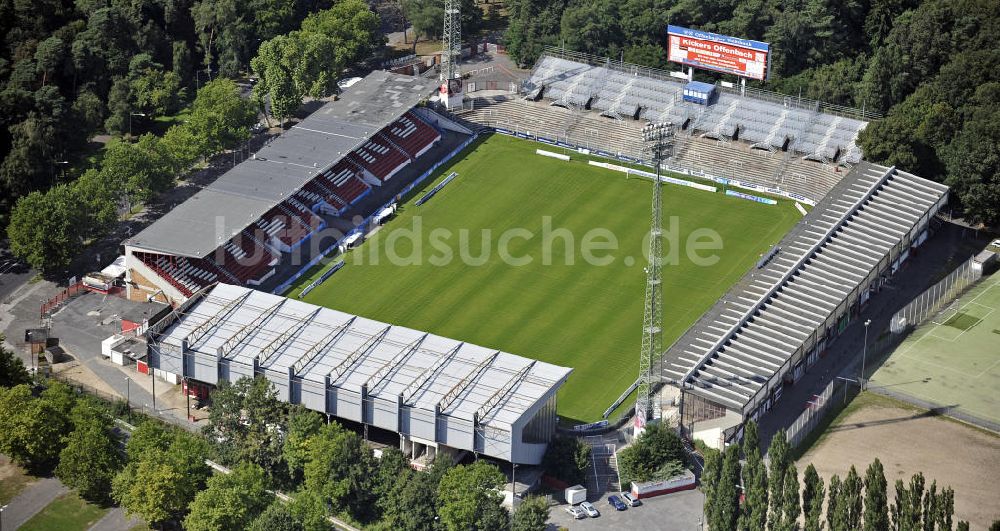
(115, 520)
(32, 499)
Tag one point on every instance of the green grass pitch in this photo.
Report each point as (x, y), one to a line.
(956, 362)
(579, 315)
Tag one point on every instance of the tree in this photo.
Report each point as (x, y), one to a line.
(900, 508)
(89, 458)
(833, 505)
(531, 515)
(183, 146)
(567, 459)
(119, 107)
(391, 466)
(138, 171)
(33, 428)
(946, 509)
(166, 469)
(915, 496)
(724, 512)
(963, 526)
(340, 469)
(153, 90)
(849, 504)
(12, 371)
(779, 454)
(352, 26)
(229, 501)
(930, 507)
(101, 200)
(412, 503)
(148, 489)
(657, 454)
(469, 498)
(46, 229)
(710, 477)
(812, 500)
(220, 117)
(309, 508)
(876, 498)
(303, 424)
(245, 421)
(753, 512)
(791, 508)
(277, 517)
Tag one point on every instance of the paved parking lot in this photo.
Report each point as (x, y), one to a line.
(680, 511)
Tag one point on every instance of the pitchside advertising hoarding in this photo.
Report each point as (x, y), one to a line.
(711, 51)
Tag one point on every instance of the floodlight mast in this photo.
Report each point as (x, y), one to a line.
(658, 138)
(450, 77)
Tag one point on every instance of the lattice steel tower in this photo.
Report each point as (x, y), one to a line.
(451, 77)
(658, 138)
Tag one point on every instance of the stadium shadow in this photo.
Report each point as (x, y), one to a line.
(930, 413)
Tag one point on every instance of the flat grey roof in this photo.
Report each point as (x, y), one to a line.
(239, 197)
(317, 342)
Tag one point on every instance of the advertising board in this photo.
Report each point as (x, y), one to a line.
(721, 53)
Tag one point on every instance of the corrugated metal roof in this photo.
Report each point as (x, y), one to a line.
(355, 351)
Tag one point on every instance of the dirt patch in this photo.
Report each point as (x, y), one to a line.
(12, 480)
(908, 441)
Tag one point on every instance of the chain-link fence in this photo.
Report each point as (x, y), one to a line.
(816, 410)
(936, 298)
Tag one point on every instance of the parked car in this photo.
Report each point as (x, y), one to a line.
(632, 501)
(590, 509)
(617, 502)
(576, 512)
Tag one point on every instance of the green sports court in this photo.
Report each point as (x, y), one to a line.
(954, 358)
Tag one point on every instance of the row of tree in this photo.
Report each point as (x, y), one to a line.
(48, 228)
(332, 471)
(749, 494)
(924, 63)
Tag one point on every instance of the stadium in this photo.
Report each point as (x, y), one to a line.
(815, 231)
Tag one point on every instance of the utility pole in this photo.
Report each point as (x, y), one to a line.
(658, 138)
(128, 396)
(864, 355)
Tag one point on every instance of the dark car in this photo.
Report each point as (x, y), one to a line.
(617, 503)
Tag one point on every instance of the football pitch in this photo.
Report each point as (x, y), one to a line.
(544, 258)
(954, 358)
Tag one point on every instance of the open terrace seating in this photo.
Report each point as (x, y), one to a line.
(343, 181)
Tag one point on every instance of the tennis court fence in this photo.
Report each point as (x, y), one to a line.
(936, 298)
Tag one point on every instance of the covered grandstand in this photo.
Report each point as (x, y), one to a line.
(236, 229)
(776, 322)
(438, 394)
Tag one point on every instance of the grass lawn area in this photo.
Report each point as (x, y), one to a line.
(68, 512)
(12, 480)
(568, 310)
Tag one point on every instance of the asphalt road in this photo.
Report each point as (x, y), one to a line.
(680, 511)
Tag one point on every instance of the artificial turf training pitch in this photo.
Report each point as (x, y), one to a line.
(578, 314)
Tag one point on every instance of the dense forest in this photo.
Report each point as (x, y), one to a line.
(72, 69)
(929, 66)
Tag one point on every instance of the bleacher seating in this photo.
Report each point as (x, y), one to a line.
(343, 181)
(769, 168)
(380, 158)
(246, 256)
(620, 90)
(412, 135)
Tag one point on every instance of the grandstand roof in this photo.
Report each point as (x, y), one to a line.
(741, 347)
(215, 214)
(354, 351)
